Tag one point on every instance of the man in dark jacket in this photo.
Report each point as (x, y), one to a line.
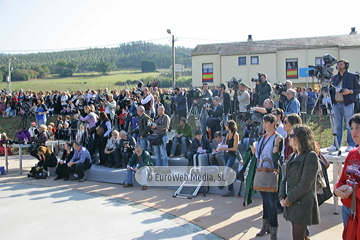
(124, 148)
(144, 129)
(198, 145)
(263, 89)
(225, 101)
(215, 116)
(180, 102)
(343, 96)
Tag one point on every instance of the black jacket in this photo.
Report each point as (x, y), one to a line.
(144, 129)
(226, 102)
(349, 81)
(218, 112)
(205, 144)
(263, 91)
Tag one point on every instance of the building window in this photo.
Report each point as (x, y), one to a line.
(242, 60)
(319, 61)
(207, 72)
(291, 68)
(254, 60)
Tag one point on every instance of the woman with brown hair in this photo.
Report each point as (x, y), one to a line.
(46, 158)
(103, 129)
(40, 111)
(298, 188)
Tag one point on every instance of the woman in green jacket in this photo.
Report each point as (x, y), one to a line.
(297, 190)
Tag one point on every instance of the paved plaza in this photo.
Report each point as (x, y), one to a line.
(48, 209)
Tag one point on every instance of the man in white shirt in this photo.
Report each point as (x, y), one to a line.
(243, 97)
(147, 100)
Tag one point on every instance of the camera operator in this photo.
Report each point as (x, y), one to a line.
(293, 105)
(243, 97)
(206, 94)
(147, 100)
(181, 103)
(263, 88)
(225, 102)
(283, 97)
(160, 126)
(124, 148)
(144, 128)
(215, 116)
(268, 106)
(343, 96)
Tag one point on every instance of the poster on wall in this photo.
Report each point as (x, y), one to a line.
(291, 68)
(207, 72)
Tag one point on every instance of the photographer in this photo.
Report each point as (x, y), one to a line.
(180, 101)
(215, 116)
(263, 88)
(147, 100)
(206, 95)
(243, 97)
(268, 106)
(283, 95)
(144, 128)
(160, 126)
(225, 102)
(343, 96)
(124, 148)
(293, 105)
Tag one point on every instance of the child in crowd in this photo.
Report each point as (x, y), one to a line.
(122, 118)
(59, 120)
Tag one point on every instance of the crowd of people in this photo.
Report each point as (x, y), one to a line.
(123, 129)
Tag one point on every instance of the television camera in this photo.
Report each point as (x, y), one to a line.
(234, 83)
(323, 72)
(280, 87)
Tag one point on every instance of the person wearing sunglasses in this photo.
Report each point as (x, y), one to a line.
(298, 187)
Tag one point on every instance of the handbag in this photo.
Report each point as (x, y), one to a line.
(351, 230)
(325, 193)
(212, 122)
(155, 139)
(266, 179)
(100, 131)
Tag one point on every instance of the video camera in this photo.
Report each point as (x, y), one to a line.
(323, 72)
(250, 117)
(258, 79)
(194, 94)
(234, 83)
(280, 87)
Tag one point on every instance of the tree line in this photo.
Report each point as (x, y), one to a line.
(65, 63)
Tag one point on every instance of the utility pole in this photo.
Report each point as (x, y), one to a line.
(173, 57)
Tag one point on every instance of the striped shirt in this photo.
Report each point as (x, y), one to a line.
(81, 156)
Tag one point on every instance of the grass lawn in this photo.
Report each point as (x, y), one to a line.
(83, 81)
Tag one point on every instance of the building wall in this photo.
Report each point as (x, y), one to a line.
(273, 64)
(231, 68)
(197, 62)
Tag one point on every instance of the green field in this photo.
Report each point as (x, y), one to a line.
(83, 81)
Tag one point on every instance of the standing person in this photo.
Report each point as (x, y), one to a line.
(181, 103)
(298, 188)
(243, 97)
(40, 140)
(232, 140)
(74, 126)
(144, 129)
(350, 174)
(183, 135)
(110, 107)
(90, 117)
(140, 160)
(269, 146)
(80, 162)
(148, 102)
(293, 105)
(62, 170)
(206, 93)
(103, 129)
(225, 102)
(343, 96)
(160, 127)
(311, 100)
(215, 116)
(263, 89)
(40, 112)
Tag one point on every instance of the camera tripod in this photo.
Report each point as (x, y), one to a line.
(24, 122)
(195, 111)
(329, 109)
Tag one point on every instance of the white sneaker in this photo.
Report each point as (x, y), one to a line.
(349, 148)
(332, 148)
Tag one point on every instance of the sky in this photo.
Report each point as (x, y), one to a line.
(46, 25)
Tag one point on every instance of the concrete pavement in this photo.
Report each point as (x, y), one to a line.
(225, 217)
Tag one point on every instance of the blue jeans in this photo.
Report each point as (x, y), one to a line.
(345, 214)
(269, 207)
(40, 122)
(229, 161)
(143, 143)
(183, 145)
(341, 113)
(160, 153)
(130, 172)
